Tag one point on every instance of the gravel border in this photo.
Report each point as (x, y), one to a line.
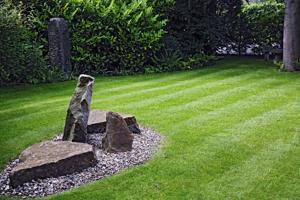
(144, 146)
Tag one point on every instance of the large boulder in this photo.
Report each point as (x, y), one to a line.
(79, 110)
(97, 122)
(118, 137)
(52, 159)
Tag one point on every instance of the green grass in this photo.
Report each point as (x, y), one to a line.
(232, 131)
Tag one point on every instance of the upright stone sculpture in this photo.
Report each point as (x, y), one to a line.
(59, 45)
(118, 137)
(78, 111)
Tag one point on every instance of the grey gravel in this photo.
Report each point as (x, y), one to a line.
(144, 146)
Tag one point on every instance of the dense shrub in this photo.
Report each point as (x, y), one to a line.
(258, 26)
(198, 26)
(207, 25)
(264, 24)
(170, 60)
(108, 37)
(21, 60)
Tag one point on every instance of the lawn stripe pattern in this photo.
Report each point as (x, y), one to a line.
(231, 130)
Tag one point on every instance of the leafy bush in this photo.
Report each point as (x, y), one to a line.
(21, 60)
(166, 60)
(265, 24)
(169, 60)
(108, 37)
(202, 26)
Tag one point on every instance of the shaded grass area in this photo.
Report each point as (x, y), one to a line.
(232, 131)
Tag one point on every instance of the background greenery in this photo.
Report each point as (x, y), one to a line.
(264, 25)
(108, 37)
(115, 37)
(202, 26)
(21, 58)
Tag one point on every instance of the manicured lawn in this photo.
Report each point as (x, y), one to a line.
(232, 131)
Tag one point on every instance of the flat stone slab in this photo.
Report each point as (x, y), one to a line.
(97, 122)
(52, 159)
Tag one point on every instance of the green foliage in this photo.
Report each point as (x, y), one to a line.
(108, 37)
(264, 1)
(279, 64)
(198, 27)
(165, 61)
(162, 6)
(197, 61)
(281, 67)
(202, 26)
(257, 24)
(169, 60)
(264, 23)
(298, 63)
(21, 59)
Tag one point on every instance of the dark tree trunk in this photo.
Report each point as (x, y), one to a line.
(291, 36)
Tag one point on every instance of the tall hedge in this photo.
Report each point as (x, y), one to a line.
(200, 26)
(264, 24)
(108, 37)
(21, 60)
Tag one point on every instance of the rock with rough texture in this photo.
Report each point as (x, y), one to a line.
(79, 110)
(52, 159)
(97, 122)
(59, 45)
(118, 137)
(143, 147)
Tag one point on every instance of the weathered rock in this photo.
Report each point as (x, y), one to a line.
(52, 159)
(118, 137)
(134, 128)
(97, 122)
(78, 111)
(59, 44)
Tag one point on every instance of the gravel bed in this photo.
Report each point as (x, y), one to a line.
(144, 146)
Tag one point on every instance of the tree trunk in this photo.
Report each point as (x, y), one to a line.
(291, 36)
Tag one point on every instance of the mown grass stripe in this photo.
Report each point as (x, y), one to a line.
(12, 146)
(173, 95)
(238, 180)
(221, 141)
(240, 131)
(206, 111)
(232, 112)
(61, 96)
(107, 92)
(32, 117)
(283, 178)
(168, 87)
(229, 143)
(103, 100)
(237, 107)
(220, 97)
(59, 108)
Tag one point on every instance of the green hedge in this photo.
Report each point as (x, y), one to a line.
(108, 37)
(197, 27)
(21, 60)
(264, 23)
